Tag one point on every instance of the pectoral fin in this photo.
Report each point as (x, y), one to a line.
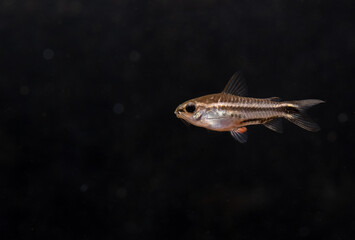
(240, 134)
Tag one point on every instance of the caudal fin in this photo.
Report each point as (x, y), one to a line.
(298, 116)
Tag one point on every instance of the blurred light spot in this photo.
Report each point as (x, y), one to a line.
(84, 187)
(304, 231)
(8, 3)
(24, 90)
(342, 117)
(118, 108)
(121, 193)
(332, 136)
(149, 212)
(131, 227)
(134, 56)
(154, 183)
(96, 27)
(48, 54)
(75, 7)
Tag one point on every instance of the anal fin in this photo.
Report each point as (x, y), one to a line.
(240, 134)
(275, 125)
(303, 121)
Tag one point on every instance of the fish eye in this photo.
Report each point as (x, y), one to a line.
(190, 108)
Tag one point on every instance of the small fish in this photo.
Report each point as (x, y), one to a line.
(231, 111)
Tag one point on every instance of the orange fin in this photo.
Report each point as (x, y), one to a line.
(241, 130)
(240, 134)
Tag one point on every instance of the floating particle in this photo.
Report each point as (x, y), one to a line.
(48, 54)
(121, 193)
(342, 117)
(332, 136)
(24, 90)
(134, 56)
(75, 7)
(118, 108)
(84, 188)
(304, 231)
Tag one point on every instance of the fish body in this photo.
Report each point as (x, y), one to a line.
(231, 111)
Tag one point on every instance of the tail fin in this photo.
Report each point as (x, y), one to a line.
(298, 116)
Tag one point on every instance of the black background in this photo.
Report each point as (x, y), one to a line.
(91, 149)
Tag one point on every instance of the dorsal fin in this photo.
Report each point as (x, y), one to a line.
(274, 99)
(236, 85)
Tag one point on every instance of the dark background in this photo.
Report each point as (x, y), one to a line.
(90, 147)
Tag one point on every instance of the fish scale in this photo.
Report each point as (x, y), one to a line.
(251, 108)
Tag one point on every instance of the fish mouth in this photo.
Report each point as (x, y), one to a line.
(180, 115)
(178, 112)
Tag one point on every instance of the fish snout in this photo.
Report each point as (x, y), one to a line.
(177, 112)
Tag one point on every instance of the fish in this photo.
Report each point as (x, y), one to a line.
(232, 111)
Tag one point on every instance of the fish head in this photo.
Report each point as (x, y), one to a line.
(191, 111)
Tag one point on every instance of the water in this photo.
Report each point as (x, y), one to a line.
(91, 149)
